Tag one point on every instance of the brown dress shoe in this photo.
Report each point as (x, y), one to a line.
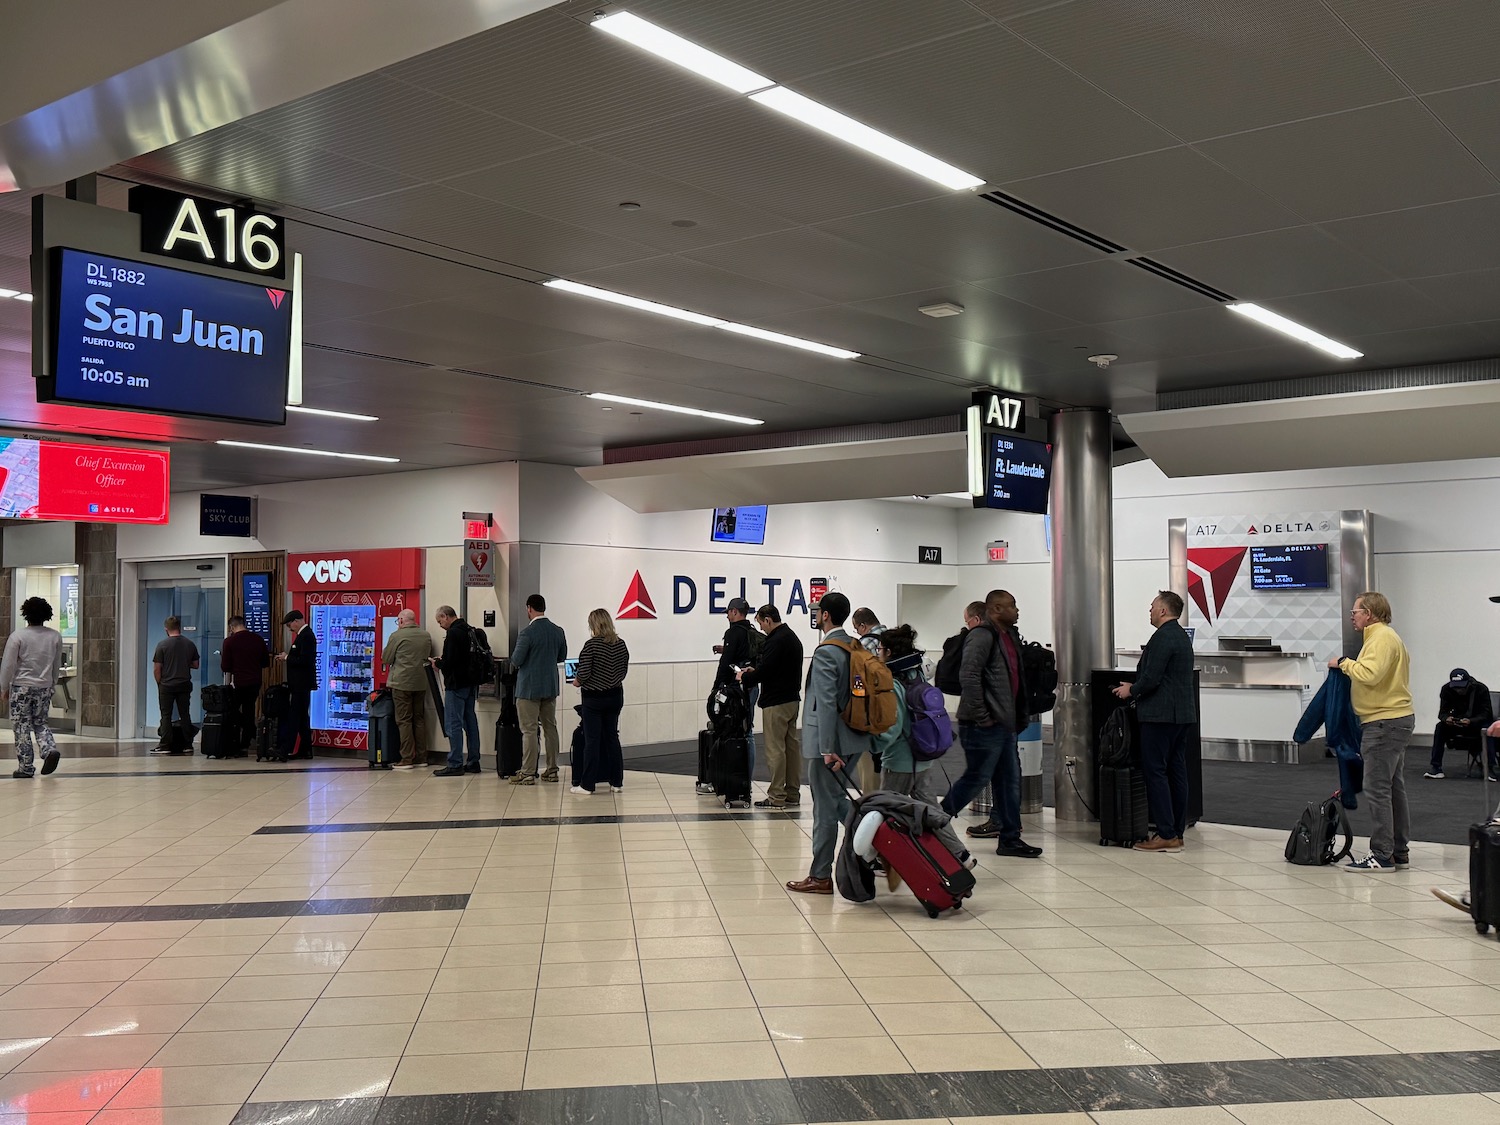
(811, 886)
(1157, 844)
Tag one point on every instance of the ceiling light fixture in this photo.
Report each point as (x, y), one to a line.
(309, 452)
(344, 414)
(1291, 328)
(860, 135)
(671, 409)
(632, 302)
(685, 53)
(941, 308)
(699, 318)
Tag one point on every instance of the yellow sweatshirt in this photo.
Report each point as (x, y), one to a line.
(1381, 676)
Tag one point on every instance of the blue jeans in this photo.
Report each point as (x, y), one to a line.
(751, 696)
(981, 753)
(1005, 785)
(1164, 761)
(830, 809)
(459, 718)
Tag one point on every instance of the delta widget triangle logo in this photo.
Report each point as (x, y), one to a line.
(1211, 572)
(277, 296)
(637, 604)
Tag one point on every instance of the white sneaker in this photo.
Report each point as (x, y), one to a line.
(617, 788)
(1436, 775)
(403, 767)
(581, 791)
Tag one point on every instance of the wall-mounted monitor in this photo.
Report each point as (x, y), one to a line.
(129, 335)
(59, 480)
(1017, 474)
(1301, 566)
(745, 524)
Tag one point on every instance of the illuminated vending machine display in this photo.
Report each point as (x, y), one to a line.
(352, 599)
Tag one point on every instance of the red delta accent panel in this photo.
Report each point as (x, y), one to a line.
(352, 599)
(1211, 572)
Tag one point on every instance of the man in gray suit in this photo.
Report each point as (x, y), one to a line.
(1163, 691)
(540, 648)
(828, 741)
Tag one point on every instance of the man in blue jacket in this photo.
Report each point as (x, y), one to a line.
(1163, 691)
(540, 648)
(828, 741)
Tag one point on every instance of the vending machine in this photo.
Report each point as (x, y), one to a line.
(352, 599)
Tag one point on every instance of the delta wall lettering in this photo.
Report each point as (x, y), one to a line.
(685, 594)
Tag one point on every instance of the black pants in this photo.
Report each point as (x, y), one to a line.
(299, 719)
(1164, 760)
(239, 717)
(180, 697)
(603, 759)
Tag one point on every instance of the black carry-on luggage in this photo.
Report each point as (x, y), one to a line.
(705, 783)
(1484, 869)
(211, 740)
(1124, 818)
(265, 739)
(276, 735)
(508, 725)
(382, 735)
(729, 758)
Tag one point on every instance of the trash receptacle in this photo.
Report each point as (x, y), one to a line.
(1029, 747)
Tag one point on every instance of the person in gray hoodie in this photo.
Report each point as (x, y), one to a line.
(28, 676)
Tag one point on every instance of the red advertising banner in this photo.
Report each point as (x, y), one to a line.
(57, 480)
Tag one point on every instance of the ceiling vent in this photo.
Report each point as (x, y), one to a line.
(1167, 273)
(1062, 226)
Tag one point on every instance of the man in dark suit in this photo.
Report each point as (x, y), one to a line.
(1163, 691)
(301, 679)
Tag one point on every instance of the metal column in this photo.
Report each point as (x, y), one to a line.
(1083, 605)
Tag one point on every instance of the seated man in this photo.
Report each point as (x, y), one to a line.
(1464, 712)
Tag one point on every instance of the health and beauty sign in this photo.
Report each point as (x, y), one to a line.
(138, 336)
(57, 480)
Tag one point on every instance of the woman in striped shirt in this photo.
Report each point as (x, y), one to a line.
(602, 666)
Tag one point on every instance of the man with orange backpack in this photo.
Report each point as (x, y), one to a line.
(849, 698)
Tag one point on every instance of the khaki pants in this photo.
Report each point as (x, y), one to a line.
(869, 779)
(533, 712)
(783, 743)
(411, 720)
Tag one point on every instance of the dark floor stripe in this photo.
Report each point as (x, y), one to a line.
(518, 822)
(269, 768)
(906, 1097)
(291, 908)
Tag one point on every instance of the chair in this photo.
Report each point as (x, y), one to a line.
(1470, 701)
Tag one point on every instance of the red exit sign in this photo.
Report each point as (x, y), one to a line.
(477, 524)
(999, 552)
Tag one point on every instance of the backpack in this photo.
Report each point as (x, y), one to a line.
(1311, 843)
(1039, 676)
(945, 675)
(757, 644)
(931, 728)
(1116, 745)
(872, 691)
(729, 710)
(481, 659)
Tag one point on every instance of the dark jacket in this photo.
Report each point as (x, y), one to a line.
(989, 698)
(243, 657)
(1332, 709)
(454, 664)
(779, 669)
(302, 661)
(1163, 688)
(540, 648)
(736, 651)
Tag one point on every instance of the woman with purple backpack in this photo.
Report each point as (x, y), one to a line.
(921, 735)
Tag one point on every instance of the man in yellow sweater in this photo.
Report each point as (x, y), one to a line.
(1381, 694)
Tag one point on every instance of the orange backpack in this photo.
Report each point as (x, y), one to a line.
(872, 691)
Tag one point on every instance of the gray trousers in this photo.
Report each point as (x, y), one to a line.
(1382, 744)
(923, 786)
(830, 808)
(534, 712)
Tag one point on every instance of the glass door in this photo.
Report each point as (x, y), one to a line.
(200, 608)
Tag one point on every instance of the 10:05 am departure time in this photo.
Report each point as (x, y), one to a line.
(112, 378)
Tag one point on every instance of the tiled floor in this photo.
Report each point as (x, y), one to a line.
(653, 951)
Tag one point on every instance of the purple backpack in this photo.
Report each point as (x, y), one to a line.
(931, 729)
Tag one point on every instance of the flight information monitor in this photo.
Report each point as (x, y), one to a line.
(745, 524)
(131, 335)
(1017, 474)
(1303, 566)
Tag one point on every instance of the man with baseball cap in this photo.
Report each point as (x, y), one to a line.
(736, 651)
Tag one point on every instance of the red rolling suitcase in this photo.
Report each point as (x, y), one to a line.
(934, 874)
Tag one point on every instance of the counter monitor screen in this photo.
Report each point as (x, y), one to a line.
(745, 524)
(1017, 474)
(1302, 566)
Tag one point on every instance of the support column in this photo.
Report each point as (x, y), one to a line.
(1083, 608)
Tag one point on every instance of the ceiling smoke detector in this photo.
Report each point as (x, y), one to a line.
(942, 308)
(1103, 359)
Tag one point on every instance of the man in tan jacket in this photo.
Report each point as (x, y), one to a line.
(405, 658)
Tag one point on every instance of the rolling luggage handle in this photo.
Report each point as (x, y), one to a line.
(853, 791)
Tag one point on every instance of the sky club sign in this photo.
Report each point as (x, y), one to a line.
(788, 596)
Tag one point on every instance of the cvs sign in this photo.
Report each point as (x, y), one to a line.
(400, 568)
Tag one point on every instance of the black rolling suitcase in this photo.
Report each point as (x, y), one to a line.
(1123, 815)
(382, 736)
(508, 755)
(211, 741)
(265, 740)
(729, 755)
(1484, 870)
(705, 757)
(277, 732)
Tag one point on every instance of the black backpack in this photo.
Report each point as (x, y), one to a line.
(729, 710)
(1311, 843)
(945, 675)
(481, 659)
(1116, 745)
(1039, 674)
(757, 644)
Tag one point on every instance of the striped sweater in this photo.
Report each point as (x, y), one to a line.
(602, 666)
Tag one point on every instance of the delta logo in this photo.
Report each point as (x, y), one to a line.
(637, 604)
(1211, 572)
(277, 296)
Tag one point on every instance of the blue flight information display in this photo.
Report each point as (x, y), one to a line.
(136, 336)
(1017, 474)
(1300, 567)
(745, 524)
(255, 596)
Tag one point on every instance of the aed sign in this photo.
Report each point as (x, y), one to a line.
(206, 232)
(1000, 411)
